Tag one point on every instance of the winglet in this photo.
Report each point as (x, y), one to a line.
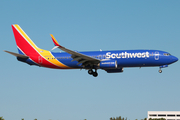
(54, 40)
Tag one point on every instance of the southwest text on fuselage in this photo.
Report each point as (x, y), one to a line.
(127, 55)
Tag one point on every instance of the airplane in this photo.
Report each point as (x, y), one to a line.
(112, 61)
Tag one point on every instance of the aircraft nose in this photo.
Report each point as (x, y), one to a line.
(174, 59)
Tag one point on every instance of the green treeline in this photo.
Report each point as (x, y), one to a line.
(121, 118)
(1, 118)
(117, 118)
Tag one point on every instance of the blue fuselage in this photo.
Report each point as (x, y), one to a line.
(124, 58)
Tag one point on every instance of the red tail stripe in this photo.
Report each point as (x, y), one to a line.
(29, 50)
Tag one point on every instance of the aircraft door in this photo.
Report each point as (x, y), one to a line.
(156, 55)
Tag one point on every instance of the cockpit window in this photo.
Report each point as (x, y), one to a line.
(167, 54)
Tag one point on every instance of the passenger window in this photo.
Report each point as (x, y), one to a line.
(100, 57)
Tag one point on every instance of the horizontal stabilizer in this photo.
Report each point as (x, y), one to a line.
(16, 54)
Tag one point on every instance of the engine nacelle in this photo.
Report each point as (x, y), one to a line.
(108, 64)
(114, 70)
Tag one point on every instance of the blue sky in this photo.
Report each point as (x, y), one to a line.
(31, 92)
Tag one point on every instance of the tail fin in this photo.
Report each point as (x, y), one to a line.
(24, 43)
(30, 53)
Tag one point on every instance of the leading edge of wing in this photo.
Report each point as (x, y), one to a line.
(75, 55)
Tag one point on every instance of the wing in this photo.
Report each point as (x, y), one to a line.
(81, 58)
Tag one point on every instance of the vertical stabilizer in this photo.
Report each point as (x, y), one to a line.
(35, 55)
(24, 43)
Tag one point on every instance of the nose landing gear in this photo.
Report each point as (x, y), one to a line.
(91, 72)
(160, 71)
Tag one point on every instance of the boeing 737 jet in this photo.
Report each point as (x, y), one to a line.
(110, 61)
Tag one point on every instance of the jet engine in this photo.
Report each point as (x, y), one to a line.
(114, 70)
(108, 64)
